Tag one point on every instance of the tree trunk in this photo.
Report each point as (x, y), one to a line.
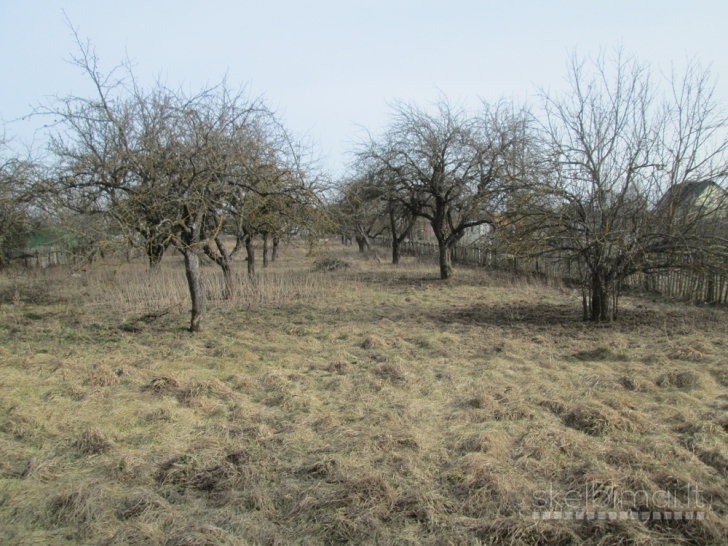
(224, 260)
(445, 261)
(250, 249)
(227, 274)
(397, 239)
(274, 253)
(395, 251)
(362, 242)
(155, 253)
(599, 297)
(265, 250)
(197, 289)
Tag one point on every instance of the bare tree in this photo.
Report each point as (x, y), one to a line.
(274, 186)
(450, 167)
(385, 203)
(360, 213)
(151, 161)
(691, 208)
(612, 151)
(401, 216)
(18, 178)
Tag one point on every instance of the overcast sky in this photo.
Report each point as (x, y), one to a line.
(329, 66)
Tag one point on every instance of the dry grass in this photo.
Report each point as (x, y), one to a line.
(365, 404)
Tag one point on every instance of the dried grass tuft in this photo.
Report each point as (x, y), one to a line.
(138, 503)
(84, 508)
(595, 421)
(102, 376)
(325, 469)
(164, 385)
(513, 411)
(201, 535)
(693, 352)
(136, 534)
(599, 354)
(392, 372)
(177, 470)
(213, 388)
(93, 442)
(41, 470)
(230, 472)
(497, 442)
(330, 263)
(373, 342)
(369, 492)
(483, 485)
(686, 380)
(338, 366)
(482, 401)
(633, 383)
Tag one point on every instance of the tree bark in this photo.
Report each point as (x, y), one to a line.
(599, 297)
(445, 261)
(197, 289)
(227, 274)
(710, 292)
(361, 240)
(224, 260)
(265, 250)
(155, 253)
(397, 239)
(250, 249)
(274, 253)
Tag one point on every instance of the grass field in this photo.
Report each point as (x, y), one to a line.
(371, 404)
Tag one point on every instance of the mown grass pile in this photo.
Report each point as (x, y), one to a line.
(365, 404)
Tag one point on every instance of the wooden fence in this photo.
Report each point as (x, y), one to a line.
(486, 256)
(685, 285)
(43, 256)
(677, 283)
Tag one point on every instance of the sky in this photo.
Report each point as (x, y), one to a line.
(330, 68)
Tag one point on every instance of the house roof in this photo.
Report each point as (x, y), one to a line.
(687, 193)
